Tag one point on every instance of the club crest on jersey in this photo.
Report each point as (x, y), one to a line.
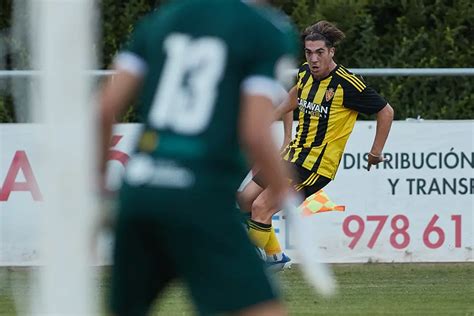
(148, 141)
(329, 94)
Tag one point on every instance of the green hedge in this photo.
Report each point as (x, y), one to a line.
(5, 12)
(383, 33)
(404, 34)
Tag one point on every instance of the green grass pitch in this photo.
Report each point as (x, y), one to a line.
(364, 289)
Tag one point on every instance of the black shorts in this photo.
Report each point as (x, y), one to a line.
(303, 180)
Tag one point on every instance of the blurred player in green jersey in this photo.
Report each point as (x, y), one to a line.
(205, 72)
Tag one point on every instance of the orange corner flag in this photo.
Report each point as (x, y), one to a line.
(319, 203)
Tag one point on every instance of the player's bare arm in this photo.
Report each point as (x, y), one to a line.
(384, 122)
(288, 105)
(114, 98)
(287, 127)
(285, 112)
(255, 135)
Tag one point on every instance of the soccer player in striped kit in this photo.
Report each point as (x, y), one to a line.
(329, 98)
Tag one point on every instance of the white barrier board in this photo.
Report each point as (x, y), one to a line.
(416, 207)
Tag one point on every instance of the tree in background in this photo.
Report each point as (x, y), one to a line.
(383, 33)
(405, 34)
(118, 18)
(6, 114)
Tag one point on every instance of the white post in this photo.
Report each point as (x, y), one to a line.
(63, 47)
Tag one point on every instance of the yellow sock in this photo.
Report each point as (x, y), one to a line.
(259, 233)
(273, 245)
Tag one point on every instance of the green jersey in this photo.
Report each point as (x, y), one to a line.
(193, 77)
(176, 218)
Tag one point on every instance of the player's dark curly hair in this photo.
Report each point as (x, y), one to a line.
(323, 31)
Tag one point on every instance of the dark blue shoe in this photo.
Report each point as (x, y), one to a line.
(272, 264)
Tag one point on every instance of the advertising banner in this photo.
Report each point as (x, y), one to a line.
(417, 206)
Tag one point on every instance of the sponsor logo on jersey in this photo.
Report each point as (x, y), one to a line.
(312, 108)
(143, 169)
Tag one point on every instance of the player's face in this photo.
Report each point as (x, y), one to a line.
(319, 58)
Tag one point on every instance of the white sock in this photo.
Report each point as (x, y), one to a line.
(275, 257)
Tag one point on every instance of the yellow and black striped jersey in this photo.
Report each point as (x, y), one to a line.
(328, 110)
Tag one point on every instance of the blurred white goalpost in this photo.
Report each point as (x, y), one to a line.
(62, 43)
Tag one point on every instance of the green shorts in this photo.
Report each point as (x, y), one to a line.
(162, 234)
